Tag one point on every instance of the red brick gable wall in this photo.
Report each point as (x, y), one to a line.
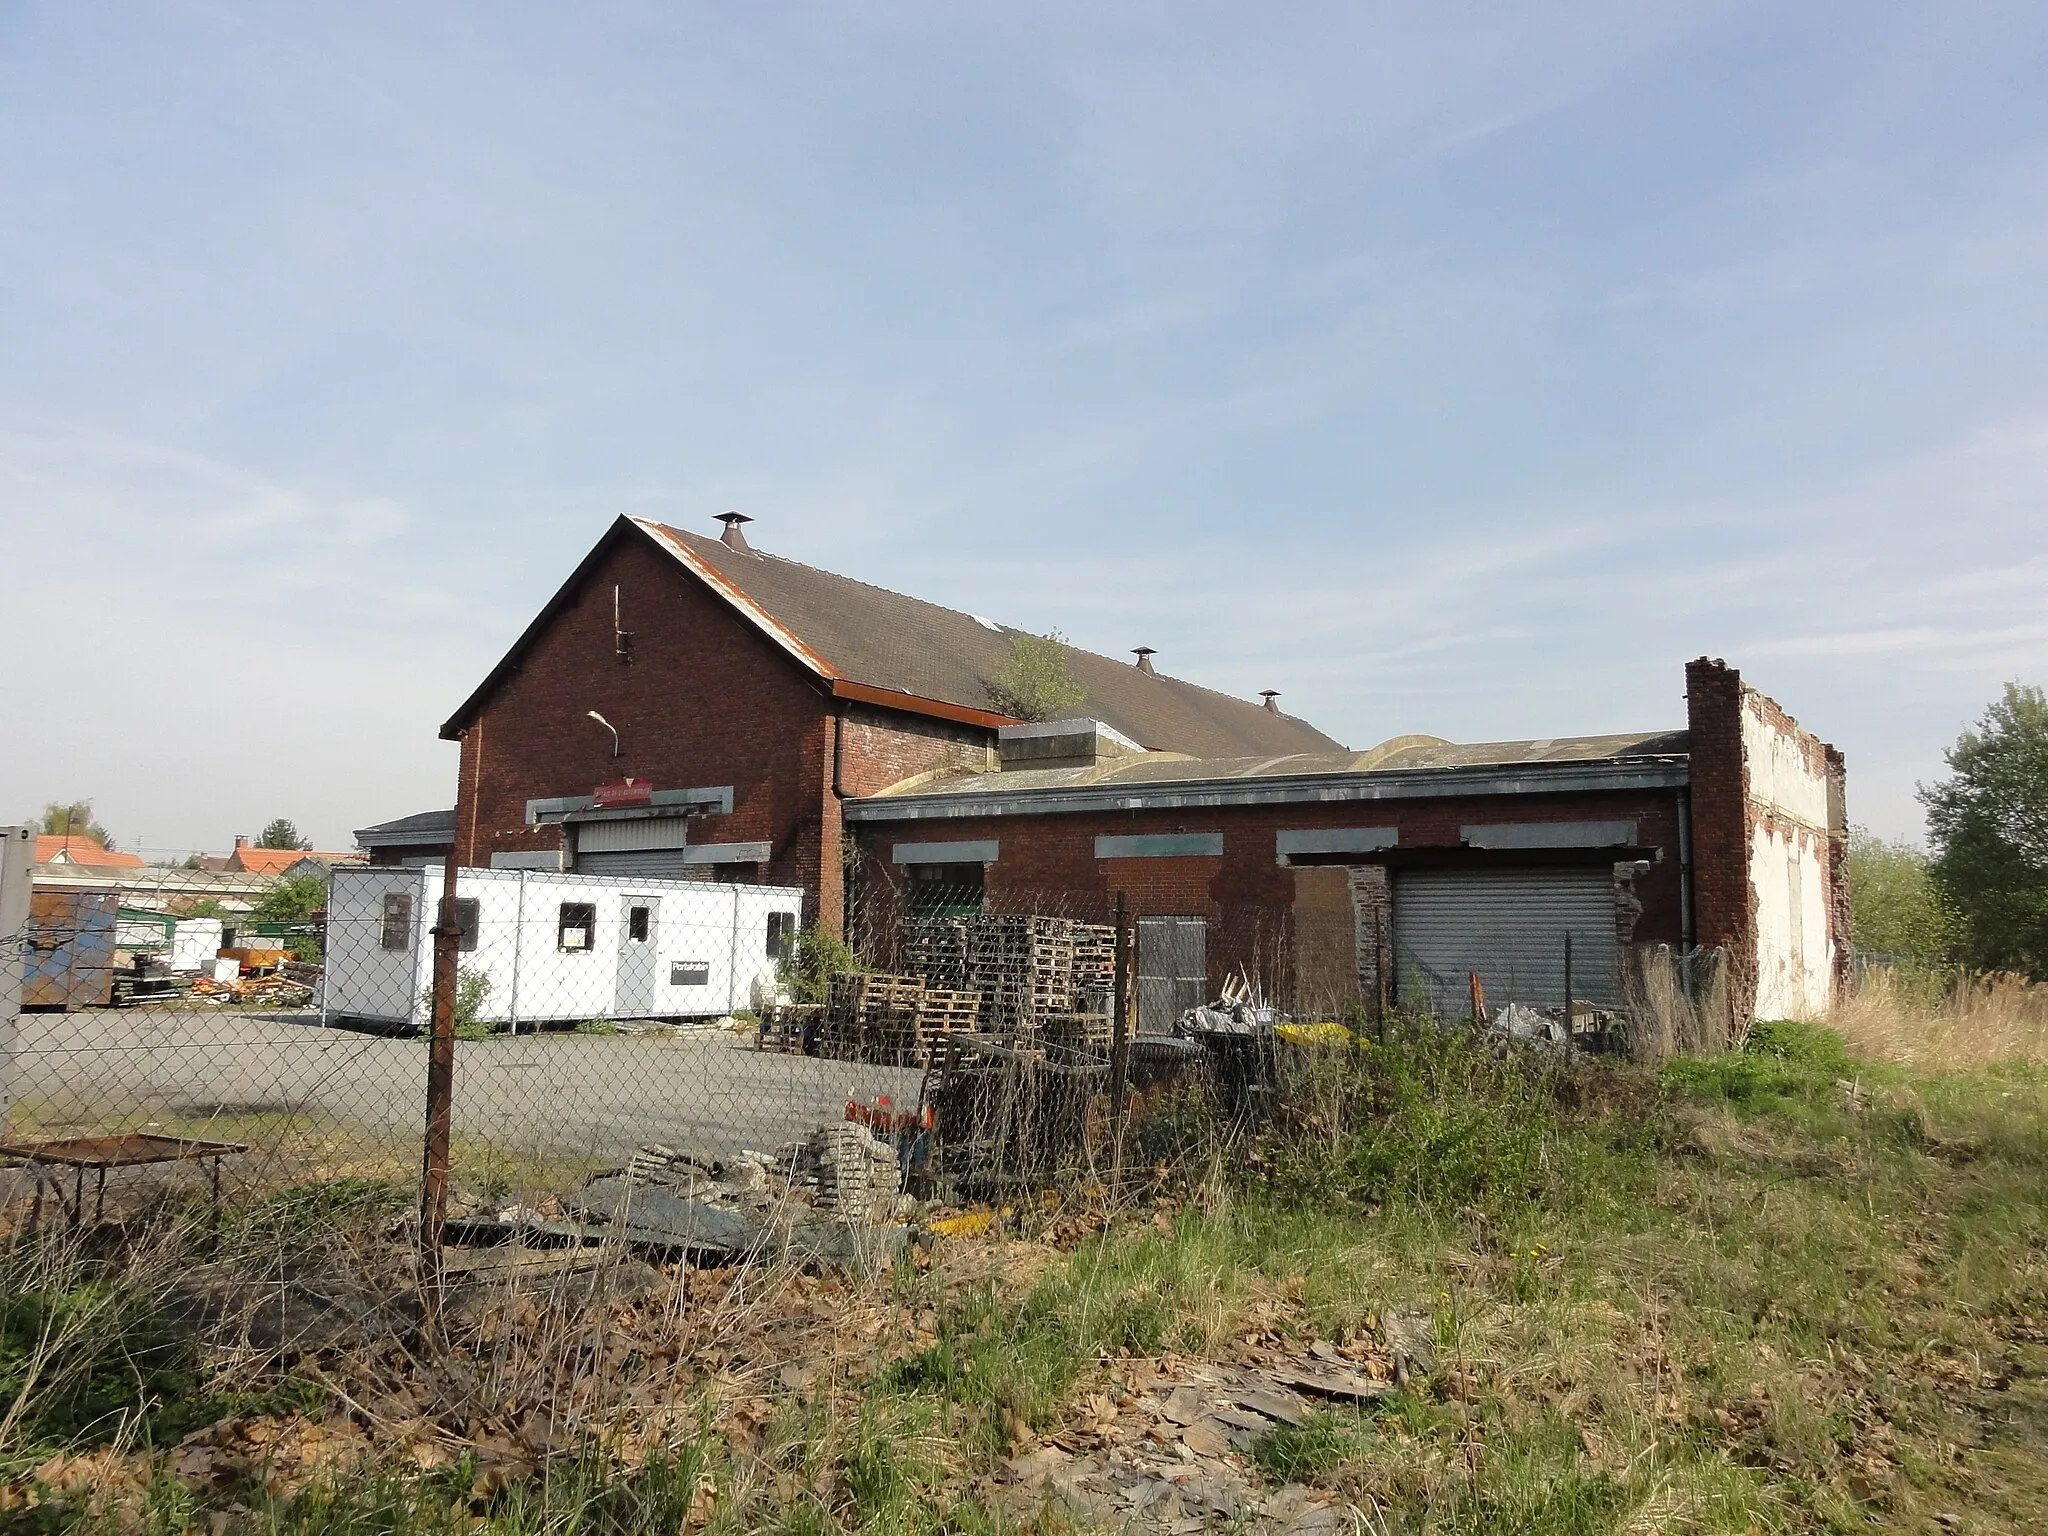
(705, 701)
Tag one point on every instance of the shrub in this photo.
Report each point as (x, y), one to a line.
(813, 960)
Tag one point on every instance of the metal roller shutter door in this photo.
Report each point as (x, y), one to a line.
(1509, 926)
(649, 863)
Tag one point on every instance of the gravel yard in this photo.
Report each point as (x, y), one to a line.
(277, 1079)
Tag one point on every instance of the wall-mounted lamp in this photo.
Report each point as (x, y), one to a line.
(600, 719)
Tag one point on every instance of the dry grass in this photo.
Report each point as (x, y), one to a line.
(1944, 1021)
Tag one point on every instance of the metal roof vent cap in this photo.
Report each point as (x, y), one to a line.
(1144, 653)
(732, 538)
(1270, 695)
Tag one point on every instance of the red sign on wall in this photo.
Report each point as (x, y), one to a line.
(623, 792)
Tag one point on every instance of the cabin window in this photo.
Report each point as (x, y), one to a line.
(577, 926)
(636, 924)
(397, 920)
(781, 935)
(466, 923)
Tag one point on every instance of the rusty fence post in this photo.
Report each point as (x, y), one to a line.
(447, 931)
(1120, 1043)
(1567, 986)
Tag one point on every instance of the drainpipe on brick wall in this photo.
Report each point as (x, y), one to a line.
(839, 751)
(1688, 935)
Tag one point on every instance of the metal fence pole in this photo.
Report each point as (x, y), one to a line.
(1567, 985)
(1119, 1042)
(447, 931)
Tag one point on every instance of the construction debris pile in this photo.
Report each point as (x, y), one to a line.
(275, 990)
(835, 1195)
(845, 1170)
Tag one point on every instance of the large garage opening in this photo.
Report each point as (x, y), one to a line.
(1509, 925)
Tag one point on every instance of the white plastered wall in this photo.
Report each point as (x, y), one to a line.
(1788, 870)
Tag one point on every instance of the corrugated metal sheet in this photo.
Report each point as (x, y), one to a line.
(1509, 925)
(614, 836)
(654, 863)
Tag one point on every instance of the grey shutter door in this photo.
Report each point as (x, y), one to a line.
(648, 863)
(1509, 926)
(1173, 970)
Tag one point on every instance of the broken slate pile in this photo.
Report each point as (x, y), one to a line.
(834, 1194)
(1171, 1450)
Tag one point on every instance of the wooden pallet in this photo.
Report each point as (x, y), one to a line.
(1091, 1032)
(783, 1027)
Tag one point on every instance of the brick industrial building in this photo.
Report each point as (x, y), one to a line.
(689, 706)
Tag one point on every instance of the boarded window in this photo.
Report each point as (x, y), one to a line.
(577, 926)
(397, 920)
(467, 922)
(781, 935)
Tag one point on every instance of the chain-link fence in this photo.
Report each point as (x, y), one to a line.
(694, 1063)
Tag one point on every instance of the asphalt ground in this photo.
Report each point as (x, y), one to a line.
(283, 1082)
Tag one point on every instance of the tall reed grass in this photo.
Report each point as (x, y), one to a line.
(1943, 1020)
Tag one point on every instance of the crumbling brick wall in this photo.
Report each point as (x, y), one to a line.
(1769, 846)
(1372, 916)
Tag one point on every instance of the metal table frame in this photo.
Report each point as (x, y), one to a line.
(97, 1154)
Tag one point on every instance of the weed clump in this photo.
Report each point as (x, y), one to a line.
(1437, 1117)
(1785, 1063)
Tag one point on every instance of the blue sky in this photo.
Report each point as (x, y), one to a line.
(1450, 369)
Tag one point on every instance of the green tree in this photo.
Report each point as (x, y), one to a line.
(1895, 907)
(1037, 682)
(291, 898)
(281, 834)
(73, 818)
(1989, 824)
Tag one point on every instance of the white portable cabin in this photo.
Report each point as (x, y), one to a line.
(555, 948)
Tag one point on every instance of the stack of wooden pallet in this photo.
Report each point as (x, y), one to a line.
(944, 1012)
(1094, 957)
(869, 1015)
(1088, 1032)
(936, 949)
(1023, 967)
(784, 1025)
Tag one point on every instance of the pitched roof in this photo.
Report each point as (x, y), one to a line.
(881, 647)
(275, 861)
(78, 849)
(422, 827)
